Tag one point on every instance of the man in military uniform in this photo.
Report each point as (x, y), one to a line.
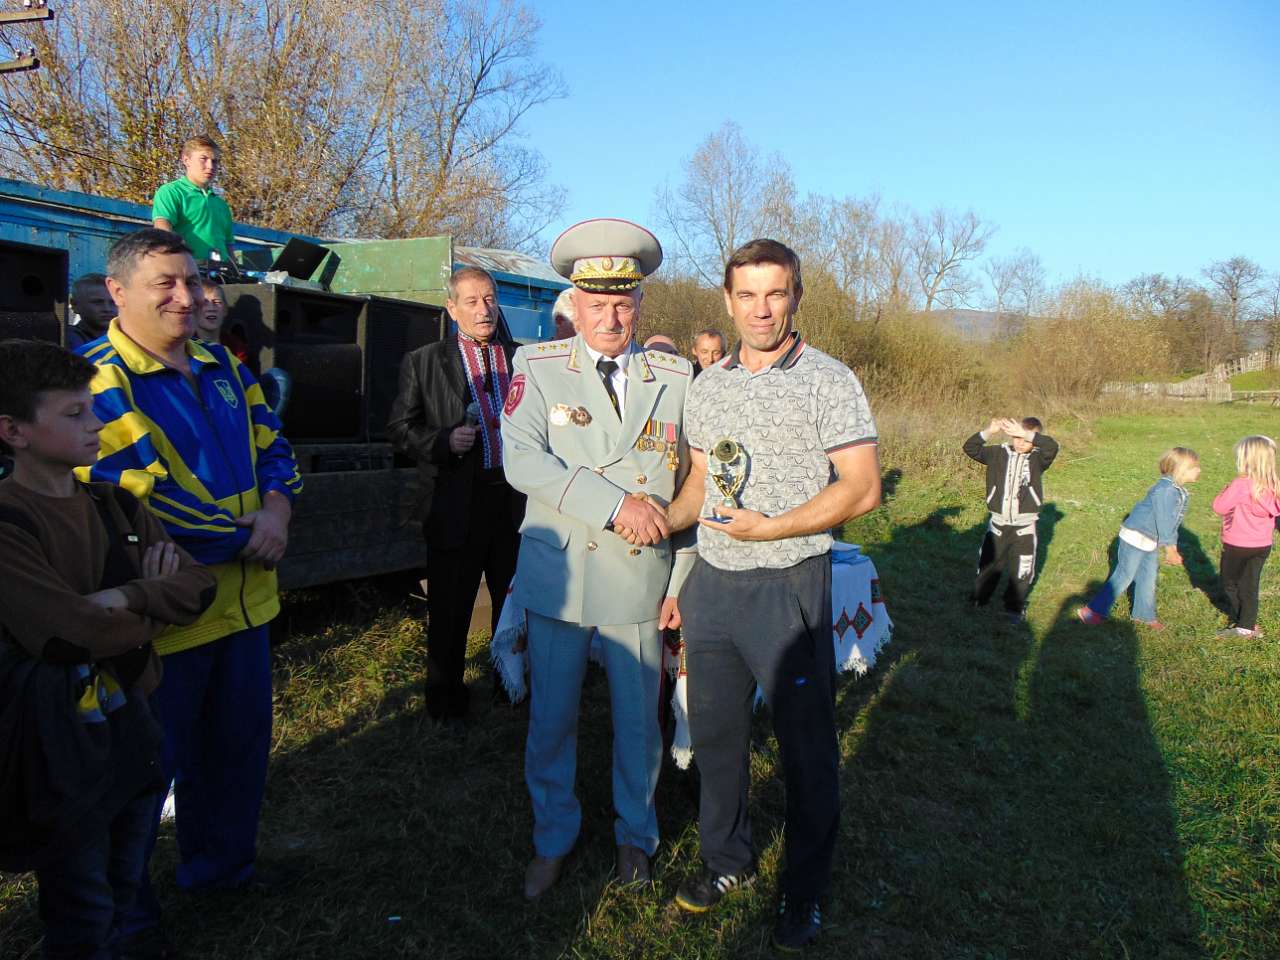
(592, 434)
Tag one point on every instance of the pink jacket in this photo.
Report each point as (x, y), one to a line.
(1246, 522)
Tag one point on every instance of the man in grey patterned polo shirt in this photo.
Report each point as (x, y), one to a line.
(757, 606)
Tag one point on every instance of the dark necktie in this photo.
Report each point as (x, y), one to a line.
(606, 367)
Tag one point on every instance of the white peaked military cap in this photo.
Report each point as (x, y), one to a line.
(606, 255)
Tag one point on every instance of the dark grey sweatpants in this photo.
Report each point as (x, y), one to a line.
(771, 627)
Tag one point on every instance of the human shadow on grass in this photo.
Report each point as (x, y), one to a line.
(412, 840)
(1001, 796)
(1202, 572)
(1021, 806)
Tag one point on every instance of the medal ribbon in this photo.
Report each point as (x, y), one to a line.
(490, 402)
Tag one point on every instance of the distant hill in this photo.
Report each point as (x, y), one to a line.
(977, 325)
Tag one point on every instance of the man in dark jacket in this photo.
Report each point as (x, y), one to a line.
(447, 416)
(1014, 496)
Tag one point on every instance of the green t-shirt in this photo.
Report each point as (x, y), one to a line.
(200, 217)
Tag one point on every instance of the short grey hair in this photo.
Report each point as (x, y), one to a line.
(564, 305)
(469, 273)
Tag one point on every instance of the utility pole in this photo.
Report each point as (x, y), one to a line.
(34, 10)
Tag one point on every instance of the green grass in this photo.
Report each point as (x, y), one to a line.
(1049, 792)
(1256, 380)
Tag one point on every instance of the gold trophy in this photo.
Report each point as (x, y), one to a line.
(728, 473)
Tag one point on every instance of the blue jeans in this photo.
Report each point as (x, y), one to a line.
(84, 895)
(214, 705)
(1135, 566)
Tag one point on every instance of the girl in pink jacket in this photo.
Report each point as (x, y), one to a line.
(1248, 506)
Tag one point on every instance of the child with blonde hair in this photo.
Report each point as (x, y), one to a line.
(1151, 524)
(1248, 506)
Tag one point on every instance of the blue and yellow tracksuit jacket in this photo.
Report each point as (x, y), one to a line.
(198, 458)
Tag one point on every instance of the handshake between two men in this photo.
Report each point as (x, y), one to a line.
(642, 520)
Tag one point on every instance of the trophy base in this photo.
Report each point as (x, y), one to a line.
(715, 519)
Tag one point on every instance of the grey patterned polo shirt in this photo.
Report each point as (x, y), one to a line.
(787, 417)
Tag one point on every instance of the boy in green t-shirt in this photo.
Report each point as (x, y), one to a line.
(189, 207)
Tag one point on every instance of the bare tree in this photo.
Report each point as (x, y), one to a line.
(1029, 286)
(942, 245)
(728, 196)
(1001, 273)
(400, 117)
(1238, 282)
(891, 265)
(452, 163)
(1017, 288)
(1155, 295)
(839, 237)
(1271, 310)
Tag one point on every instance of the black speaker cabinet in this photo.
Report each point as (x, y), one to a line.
(319, 340)
(395, 327)
(33, 292)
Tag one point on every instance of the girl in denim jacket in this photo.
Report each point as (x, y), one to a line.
(1152, 524)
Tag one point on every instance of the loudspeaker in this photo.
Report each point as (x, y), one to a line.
(395, 328)
(33, 292)
(319, 340)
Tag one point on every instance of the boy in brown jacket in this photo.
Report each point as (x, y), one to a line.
(87, 576)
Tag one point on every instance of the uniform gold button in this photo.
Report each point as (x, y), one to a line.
(634, 551)
(642, 479)
(599, 470)
(591, 544)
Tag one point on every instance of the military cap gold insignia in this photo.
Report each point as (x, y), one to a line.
(606, 255)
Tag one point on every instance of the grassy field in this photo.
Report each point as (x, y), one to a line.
(1047, 791)
(1256, 380)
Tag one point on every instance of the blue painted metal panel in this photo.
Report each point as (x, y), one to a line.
(86, 226)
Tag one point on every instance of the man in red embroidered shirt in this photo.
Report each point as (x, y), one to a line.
(447, 417)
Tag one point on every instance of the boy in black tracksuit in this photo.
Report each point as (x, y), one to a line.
(1014, 496)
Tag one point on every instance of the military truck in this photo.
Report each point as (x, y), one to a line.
(339, 333)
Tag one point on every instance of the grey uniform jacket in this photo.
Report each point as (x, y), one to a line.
(564, 447)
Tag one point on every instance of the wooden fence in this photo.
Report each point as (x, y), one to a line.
(1213, 385)
(1185, 390)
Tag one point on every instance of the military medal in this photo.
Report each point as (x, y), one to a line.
(673, 459)
(580, 416)
(559, 415)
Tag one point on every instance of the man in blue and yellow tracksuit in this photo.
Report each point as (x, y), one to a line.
(188, 432)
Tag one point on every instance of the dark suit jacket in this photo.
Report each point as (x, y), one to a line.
(431, 401)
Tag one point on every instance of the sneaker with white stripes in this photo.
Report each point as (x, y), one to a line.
(708, 888)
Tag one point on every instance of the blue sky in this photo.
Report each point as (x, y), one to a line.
(1110, 139)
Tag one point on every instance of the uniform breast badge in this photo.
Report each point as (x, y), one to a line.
(579, 416)
(560, 415)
